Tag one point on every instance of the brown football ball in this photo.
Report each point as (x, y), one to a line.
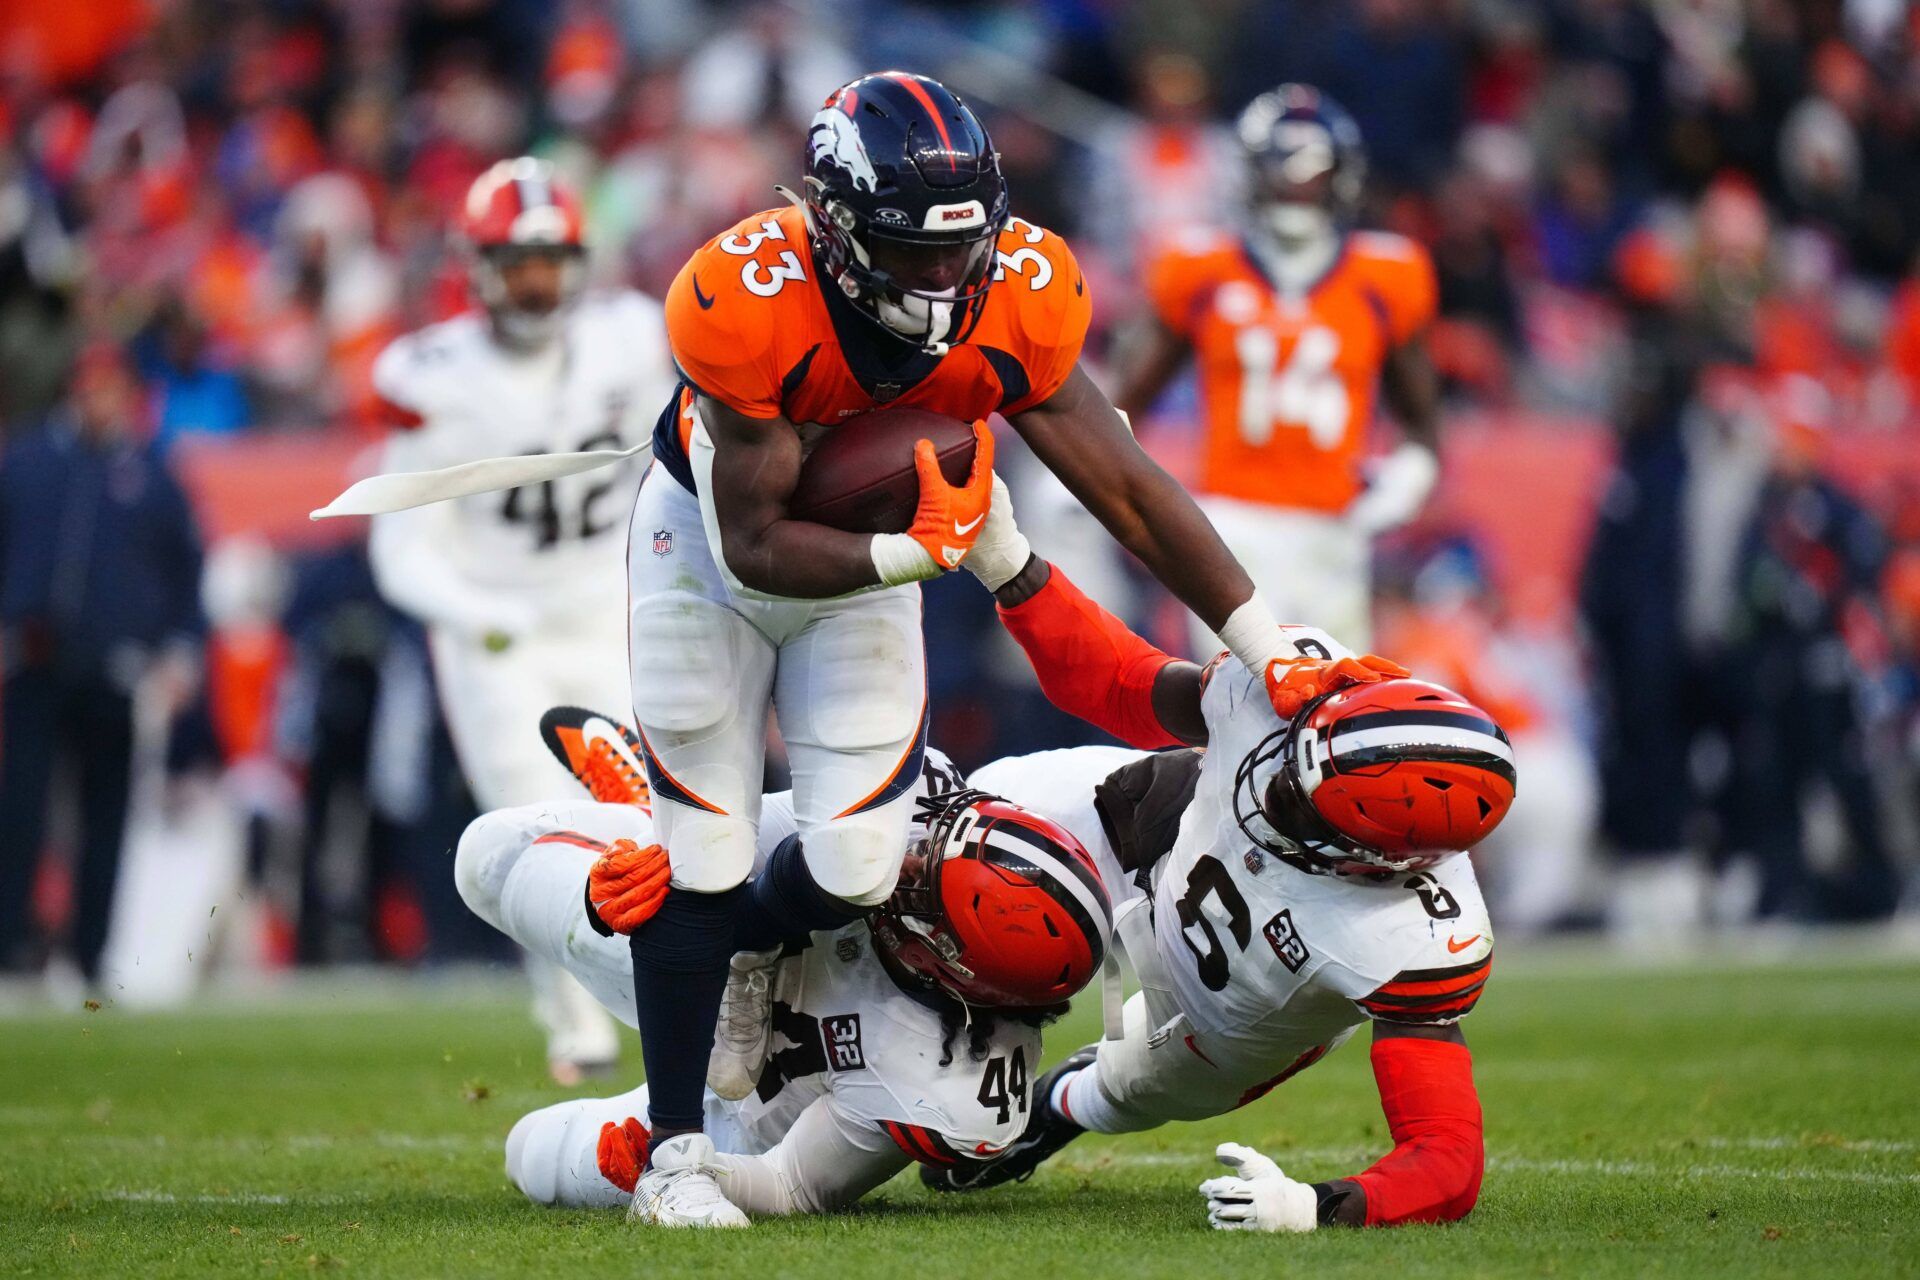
(860, 477)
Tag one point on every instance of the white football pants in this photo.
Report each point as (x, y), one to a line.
(1311, 568)
(847, 682)
(493, 704)
(524, 871)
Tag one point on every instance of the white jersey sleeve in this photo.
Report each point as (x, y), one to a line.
(519, 559)
(412, 552)
(1059, 786)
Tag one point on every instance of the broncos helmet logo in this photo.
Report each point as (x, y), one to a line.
(834, 136)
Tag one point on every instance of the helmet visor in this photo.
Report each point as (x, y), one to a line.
(935, 269)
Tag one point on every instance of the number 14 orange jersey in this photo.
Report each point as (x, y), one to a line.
(1287, 383)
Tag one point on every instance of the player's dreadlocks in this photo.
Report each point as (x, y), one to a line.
(979, 1025)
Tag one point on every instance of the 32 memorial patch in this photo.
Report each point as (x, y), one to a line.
(841, 1035)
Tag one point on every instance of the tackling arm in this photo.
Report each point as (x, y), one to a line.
(1090, 665)
(1425, 1075)
(825, 1162)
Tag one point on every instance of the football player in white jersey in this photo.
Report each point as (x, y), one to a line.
(1274, 892)
(523, 594)
(908, 1036)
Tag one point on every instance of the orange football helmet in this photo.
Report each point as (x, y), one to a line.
(518, 209)
(998, 906)
(1374, 778)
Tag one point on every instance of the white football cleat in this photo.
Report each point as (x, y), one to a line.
(678, 1188)
(743, 1036)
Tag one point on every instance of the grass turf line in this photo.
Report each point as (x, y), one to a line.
(1738, 1122)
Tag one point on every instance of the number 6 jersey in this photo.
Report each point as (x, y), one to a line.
(1252, 948)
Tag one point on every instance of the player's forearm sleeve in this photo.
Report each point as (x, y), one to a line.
(417, 578)
(1089, 664)
(826, 1162)
(1433, 1172)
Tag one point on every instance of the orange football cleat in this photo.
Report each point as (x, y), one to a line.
(600, 751)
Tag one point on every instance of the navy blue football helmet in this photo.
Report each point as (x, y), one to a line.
(904, 200)
(1301, 147)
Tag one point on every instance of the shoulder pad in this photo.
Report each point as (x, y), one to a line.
(1046, 305)
(1140, 805)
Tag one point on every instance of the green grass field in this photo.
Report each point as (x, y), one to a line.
(1718, 1117)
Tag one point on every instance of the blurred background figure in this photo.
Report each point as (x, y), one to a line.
(1295, 324)
(523, 594)
(99, 601)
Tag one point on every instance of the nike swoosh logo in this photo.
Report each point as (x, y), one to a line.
(706, 303)
(1457, 947)
(962, 530)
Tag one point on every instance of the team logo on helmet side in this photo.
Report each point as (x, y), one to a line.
(833, 137)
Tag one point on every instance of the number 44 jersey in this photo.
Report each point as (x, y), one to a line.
(886, 1060)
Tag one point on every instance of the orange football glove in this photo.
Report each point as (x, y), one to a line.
(622, 1152)
(948, 519)
(627, 884)
(1291, 685)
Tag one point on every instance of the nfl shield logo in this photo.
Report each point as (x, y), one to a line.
(663, 542)
(1254, 860)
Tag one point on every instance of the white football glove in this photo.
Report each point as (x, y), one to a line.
(1397, 487)
(1259, 1197)
(1001, 551)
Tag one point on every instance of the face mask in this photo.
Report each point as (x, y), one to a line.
(917, 316)
(1296, 226)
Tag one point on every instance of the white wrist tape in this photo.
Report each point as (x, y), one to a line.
(1251, 635)
(898, 559)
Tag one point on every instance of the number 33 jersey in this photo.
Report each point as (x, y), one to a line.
(1287, 383)
(753, 326)
(452, 394)
(843, 1028)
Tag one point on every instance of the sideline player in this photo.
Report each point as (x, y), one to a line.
(1292, 328)
(908, 1036)
(1303, 878)
(523, 593)
(898, 277)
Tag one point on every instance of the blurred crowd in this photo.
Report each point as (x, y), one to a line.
(1694, 220)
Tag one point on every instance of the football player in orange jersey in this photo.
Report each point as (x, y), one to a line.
(1292, 328)
(898, 277)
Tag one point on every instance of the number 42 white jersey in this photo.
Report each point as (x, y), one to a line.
(454, 394)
